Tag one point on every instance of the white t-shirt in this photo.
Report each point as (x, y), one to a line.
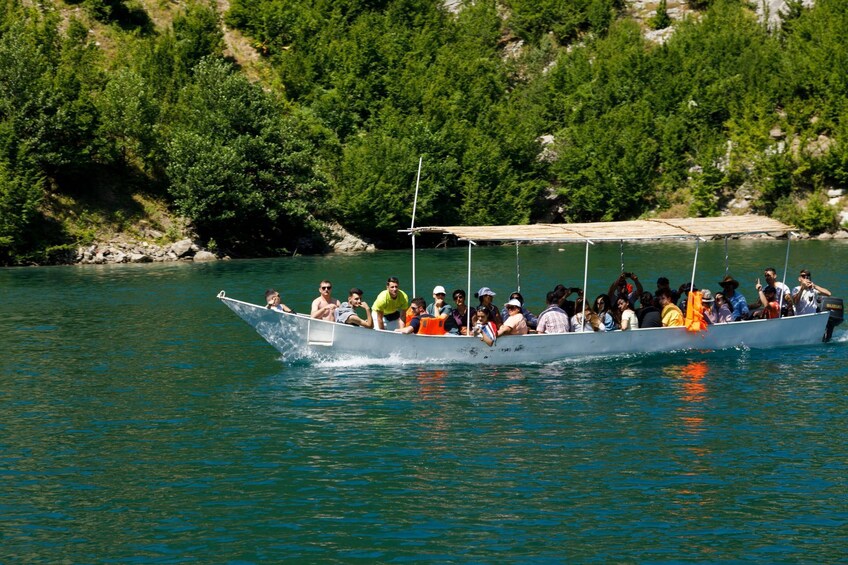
(630, 316)
(806, 302)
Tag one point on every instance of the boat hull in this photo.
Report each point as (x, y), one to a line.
(298, 337)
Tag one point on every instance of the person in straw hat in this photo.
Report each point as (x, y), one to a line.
(738, 304)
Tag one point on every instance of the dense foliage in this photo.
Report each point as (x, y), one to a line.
(523, 110)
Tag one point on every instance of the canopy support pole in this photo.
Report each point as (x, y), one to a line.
(621, 253)
(585, 290)
(785, 266)
(517, 270)
(468, 294)
(694, 264)
(726, 258)
(412, 225)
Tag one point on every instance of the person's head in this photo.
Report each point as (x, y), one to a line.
(771, 275)
(728, 285)
(664, 296)
(517, 296)
(325, 288)
(272, 297)
(485, 295)
(647, 299)
(601, 303)
(418, 306)
(770, 292)
(551, 298)
(662, 282)
(354, 297)
(720, 299)
(707, 298)
(805, 274)
(439, 292)
(459, 296)
(481, 316)
(578, 306)
(393, 285)
(622, 303)
(513, 306)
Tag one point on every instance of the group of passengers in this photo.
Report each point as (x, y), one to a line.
(615, 310)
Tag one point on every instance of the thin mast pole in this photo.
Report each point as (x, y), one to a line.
(785, 266)
(585, 290)
(517, 270)
(468, 293)
(726, 258)
(412, 224)
(694, 264)
(621, 253)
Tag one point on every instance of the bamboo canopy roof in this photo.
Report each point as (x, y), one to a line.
(654, 228)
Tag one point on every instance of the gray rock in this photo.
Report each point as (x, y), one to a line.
(205, 256)
(140, 258)
(181, 247)
(841, 234)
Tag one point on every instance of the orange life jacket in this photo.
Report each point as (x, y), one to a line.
(432, 326)
(694, 321)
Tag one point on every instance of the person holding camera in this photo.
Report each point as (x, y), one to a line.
(621, 289)
(484, 329)
(805, 295)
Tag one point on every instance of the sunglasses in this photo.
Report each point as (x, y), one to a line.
(326, 287)
(805, 276)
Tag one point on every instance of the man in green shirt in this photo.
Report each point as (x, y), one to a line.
(390, 306)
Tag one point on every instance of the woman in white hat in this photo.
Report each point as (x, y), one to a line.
(515, 324)
(485, 295)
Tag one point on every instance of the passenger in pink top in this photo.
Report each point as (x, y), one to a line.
(515, 323)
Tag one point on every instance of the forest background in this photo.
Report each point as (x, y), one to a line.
(145, 118)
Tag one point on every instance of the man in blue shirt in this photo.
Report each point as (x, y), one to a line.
(738, 304)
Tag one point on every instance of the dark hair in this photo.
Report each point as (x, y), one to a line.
(603, 297)
(647, 299)
(420, 303)
(664, 292)
(662, 281)
(392, 280)
(552, 297)
(355, 290)
(517, 295)
(772, 269)
(269, 293)
(458, 291)
(769, 289)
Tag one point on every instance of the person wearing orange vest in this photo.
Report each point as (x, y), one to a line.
(419, 312)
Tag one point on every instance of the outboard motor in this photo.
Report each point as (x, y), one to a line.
(835, 308)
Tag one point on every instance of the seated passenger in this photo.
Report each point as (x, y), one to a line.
(768, 298)
(707, 307)
(458, 318)
(563, 293)
(683, 293)
(723, 315)
(662, 283)
(629, 321)
(346, 313)
(602, 309)
(619, 288)
(586, 320)
(648, 315)
(483, 328)
(531, 320)
(439, 307)
(272, 302)
(485, 295)
(419, 311)
(735, 301)
(784, 295)
(323, 306)
(515, 324)
(390, 306)
(553, 319)
(671, 314)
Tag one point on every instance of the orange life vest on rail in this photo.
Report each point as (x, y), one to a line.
(432, 326)
(694, 321)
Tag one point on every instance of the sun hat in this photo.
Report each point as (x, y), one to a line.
(485, 291)
(707, 296)
(513, 302)
(439, 289)
(728, 280)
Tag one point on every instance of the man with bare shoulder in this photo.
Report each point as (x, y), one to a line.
(346, 313)
(324, 305)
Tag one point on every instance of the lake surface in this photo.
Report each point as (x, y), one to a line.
(141, 421)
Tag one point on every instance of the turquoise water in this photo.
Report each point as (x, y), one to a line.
(141, 421)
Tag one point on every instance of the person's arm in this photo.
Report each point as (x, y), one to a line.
(368, 322)
(406, 330)
(762, 295)
(317, 312)
(614, 286)
(625, 322)
(378, 320)
(820, 289)
(484, 335)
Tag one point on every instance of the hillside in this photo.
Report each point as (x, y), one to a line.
(266, 127)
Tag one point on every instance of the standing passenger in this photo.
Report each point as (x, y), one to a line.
(390, 306)
(324, 305)
(805, 294)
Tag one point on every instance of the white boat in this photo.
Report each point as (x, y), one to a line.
(299, 337)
